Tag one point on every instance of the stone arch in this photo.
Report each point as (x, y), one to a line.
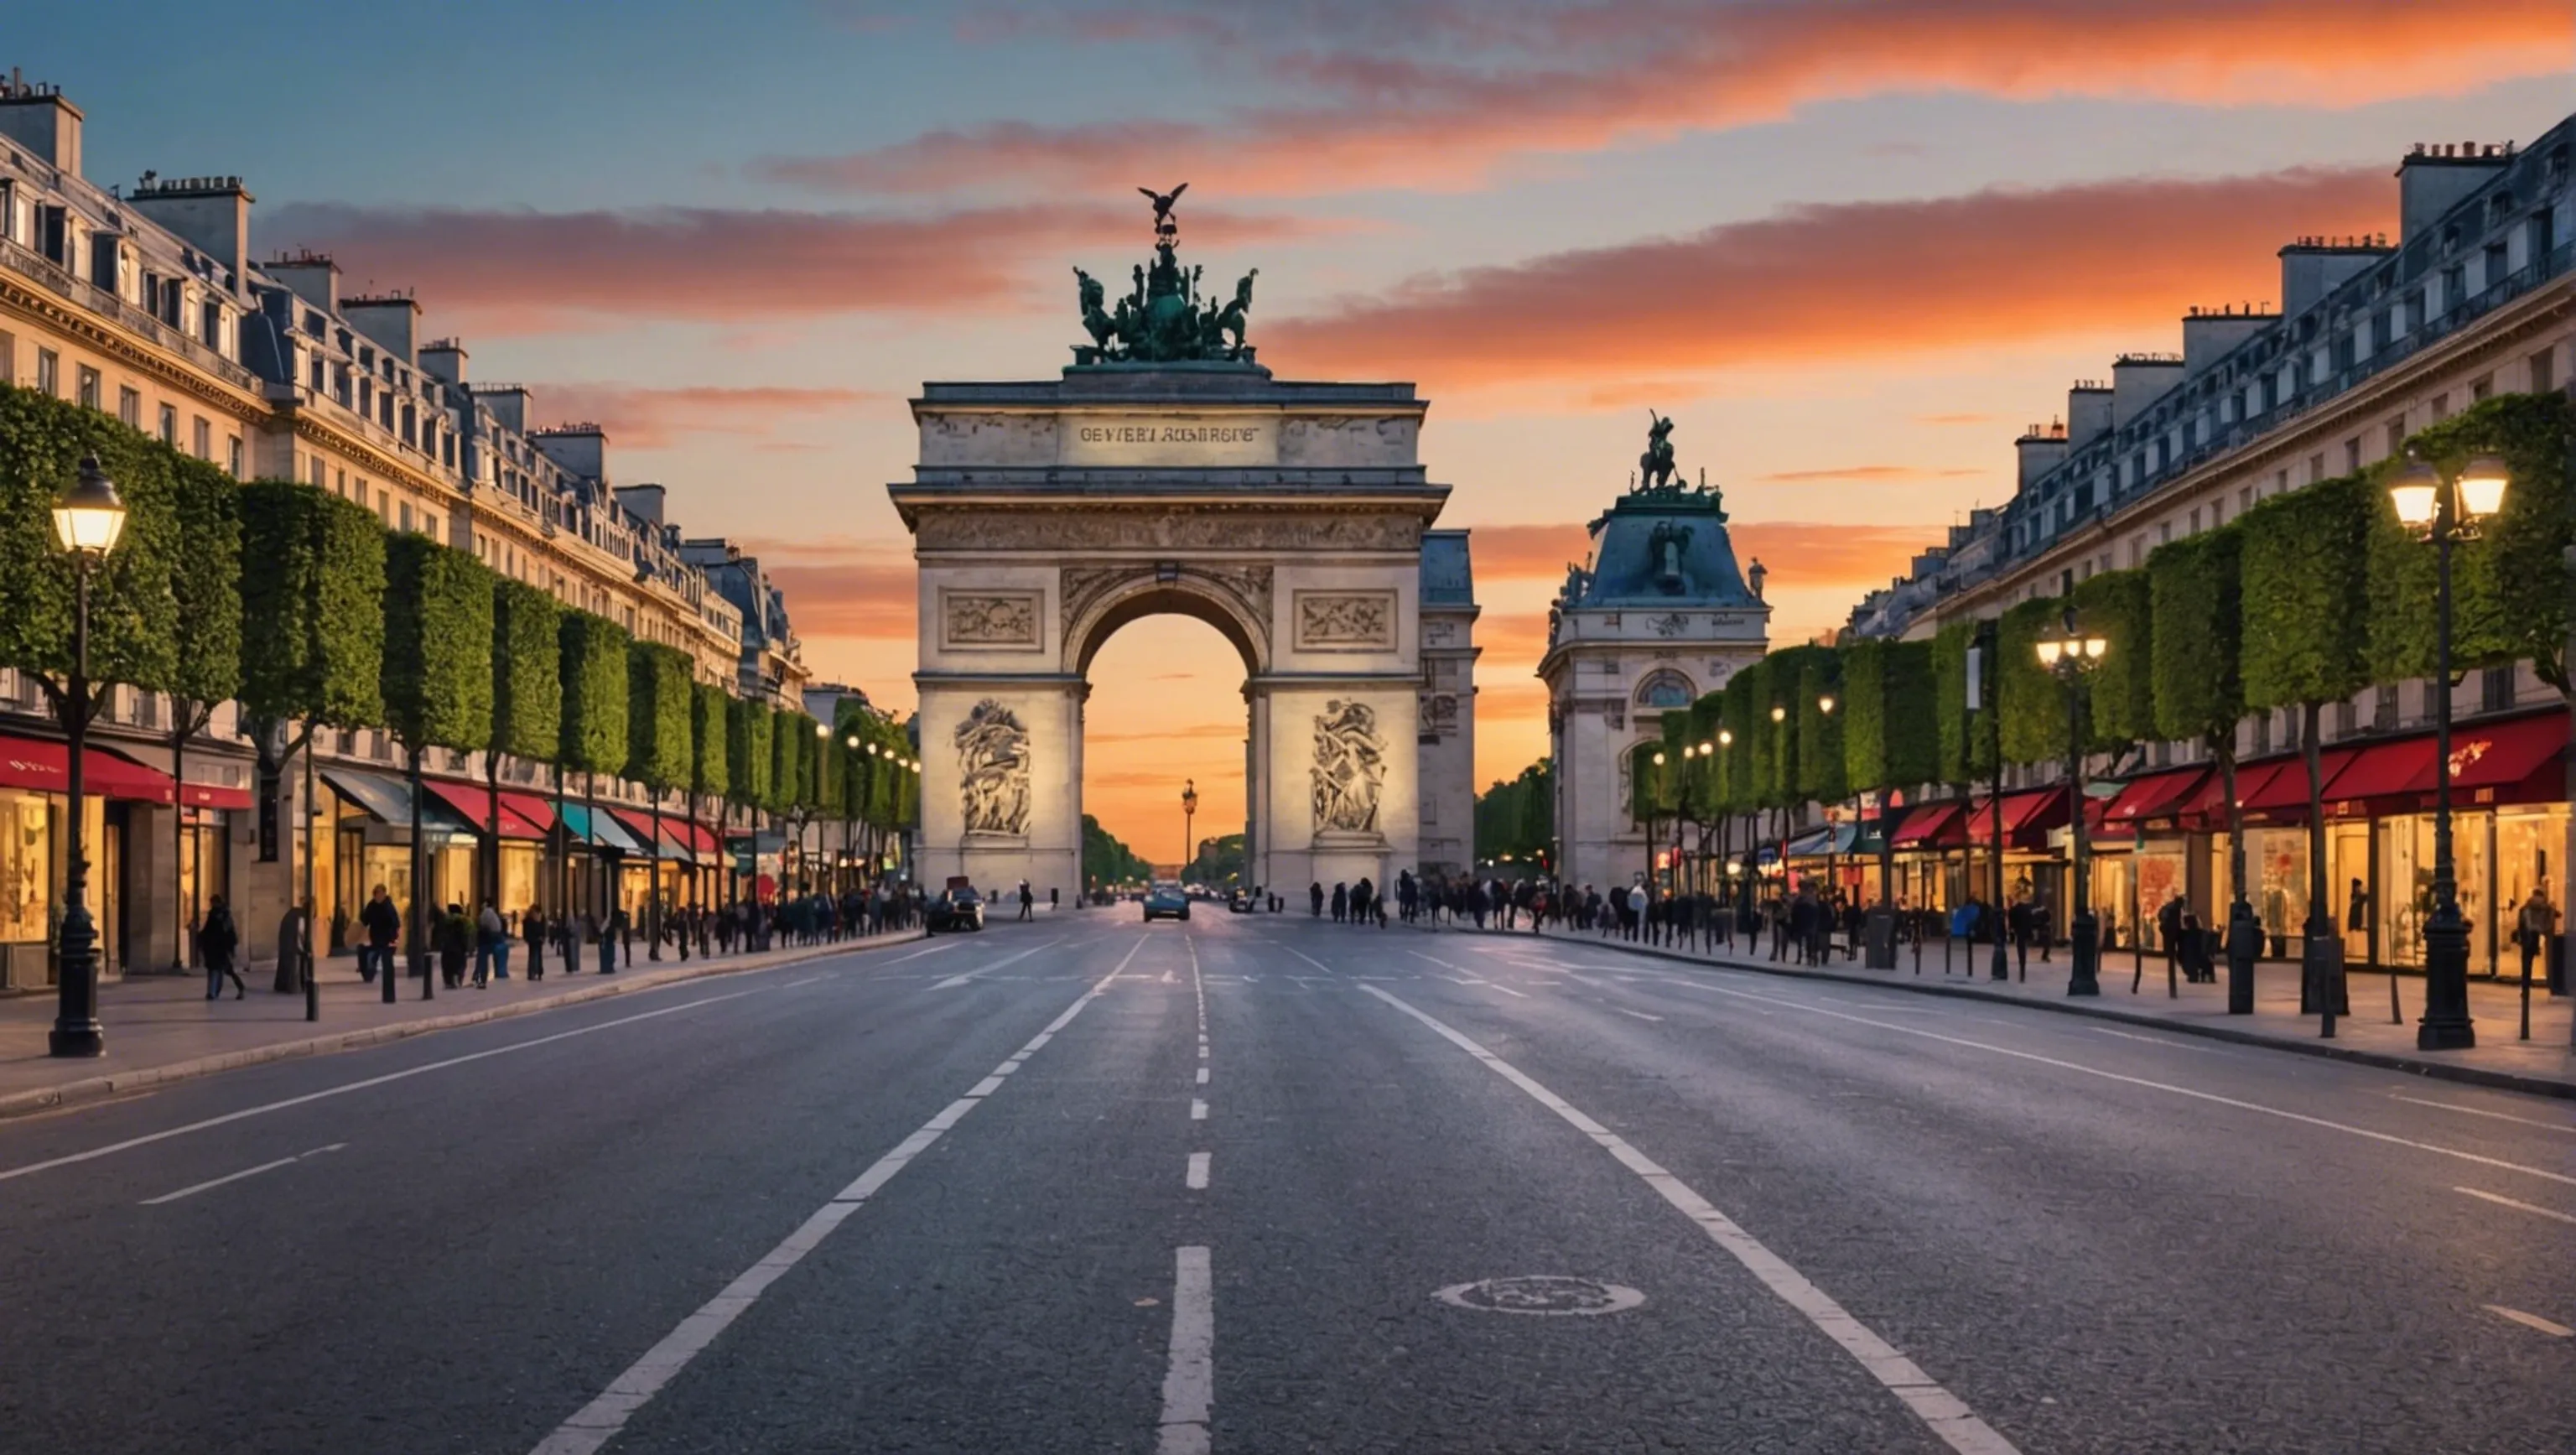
(1666, 688)
(1111, 604)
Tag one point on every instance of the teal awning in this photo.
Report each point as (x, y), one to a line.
(388, 800)
(595, 827)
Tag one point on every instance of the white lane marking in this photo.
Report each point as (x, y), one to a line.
(1203, 1076)
(956, 980)
(1167, 977)
(1639, 1014)
(599, 1421)
(2532, 1321)
(2546, 1212)
(238, 1176)
(808, 980)
(1189, 1387)
(1309, 959)
(1463, 979)
(2209, 1096)
(344, 1089)
(1197, 1178)
(1505, 989)
(2482, 1112)
(1939, 1409)
(1198, 1112)
(2166, 1042)
(917, 954)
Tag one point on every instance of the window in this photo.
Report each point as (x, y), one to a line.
(9, 355)
(2244, 499)
(202, 435)
(2383, 709)
(2352, 456)
(2316, 468)
(233, 455)
(406, 520)
(2195, 521)
(2280, 481)
(170, 425)
(90, 388)
(2542, 368)
(2347, 719)
(313, 468)
(129, 407)
(2495, 689)
(2441, 407)
(2481, 387)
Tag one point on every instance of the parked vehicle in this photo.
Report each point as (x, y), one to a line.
(959, 908)
(1166, 901)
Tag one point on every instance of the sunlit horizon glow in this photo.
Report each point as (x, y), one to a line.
(1852, 248)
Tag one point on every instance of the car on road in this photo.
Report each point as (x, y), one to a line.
(1166, 900)
(960, 908)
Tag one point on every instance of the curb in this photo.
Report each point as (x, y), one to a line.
(101, 1088)
(2412, 1065)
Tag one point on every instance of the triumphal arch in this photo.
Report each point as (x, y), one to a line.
(1166, 470)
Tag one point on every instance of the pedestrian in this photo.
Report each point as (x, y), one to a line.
(491, 947)
(383, 924)
(1341, 902)
(455, 945)
(605, 935)
(2533, 928)
(2169, 929)
(218, 937)
(532, 927)
(1028, 901)
(1315, 899)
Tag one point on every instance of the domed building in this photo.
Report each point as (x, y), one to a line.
(1660, 615)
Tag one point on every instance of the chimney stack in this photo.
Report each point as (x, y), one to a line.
(39, 118)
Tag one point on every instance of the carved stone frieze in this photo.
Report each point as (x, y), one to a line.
(1203, 527)
(993, 770)
(1350, 768)
(973, 619)
(1345, 621)
(1245, 587)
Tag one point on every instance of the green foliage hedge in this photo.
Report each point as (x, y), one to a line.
(313, 625)
(2120, 697)
(206, 581)
(594, 736)
(659, 709)
(747, 752)
(134, 608)
(438, 644)
(1891, 738)
(710, 741)
(527, 671)
(2306, 593)
(1821, 775)
(2195, 635)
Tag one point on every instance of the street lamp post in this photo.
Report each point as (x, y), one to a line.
(2071, 657)
(88, 518)
(2448, 510)
(1833, 854)
(1189, 817)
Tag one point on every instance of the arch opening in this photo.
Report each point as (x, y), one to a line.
(1164, 708)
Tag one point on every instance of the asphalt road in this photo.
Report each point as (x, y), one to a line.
(1090, 1185)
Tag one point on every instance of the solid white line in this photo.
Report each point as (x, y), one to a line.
(342, 1090)
(917, 954)
(238, 1176)
(1197, 1179)
(2547, 1212)
(2532, 1321)
(1309, 959)
(2166, 1042)
(2482, 1112)
(598, 1422)
(1198, 1113)
(955, 980)
(1507, 990)
(2209, 1096)
(1189, 1387)
(1639, 1014)
(1947, 1417)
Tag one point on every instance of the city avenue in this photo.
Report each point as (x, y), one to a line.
(1090, 1185)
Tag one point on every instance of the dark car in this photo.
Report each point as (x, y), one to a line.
(1166, 900)
(954, 909)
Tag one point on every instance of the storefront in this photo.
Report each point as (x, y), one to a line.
(369, 818)
(35, 778)
(602, 853)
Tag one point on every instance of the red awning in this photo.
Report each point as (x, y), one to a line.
(2288, 785)
(699, 838)
(2251, 778)
(1928, 825)
(2505, 753)
(536, 808)
(2382, 769)
(472, 802)
(2155, 794)
(45, 765)
(213, 795)
(2022, 812)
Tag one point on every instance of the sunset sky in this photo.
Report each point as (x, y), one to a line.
(1853, 248)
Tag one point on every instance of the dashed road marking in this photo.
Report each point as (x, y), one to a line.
(2532, 1321)
(1940, 1410)
(1196, 1179)
(238, 1176)
(1639, 1014)
(2483, 1112)
(1198, 1112)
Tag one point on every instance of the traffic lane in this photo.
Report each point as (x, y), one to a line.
(489, 1249)
(2128, 1277)
(28, 1142)
(1362, 1164)
(1009, 1290)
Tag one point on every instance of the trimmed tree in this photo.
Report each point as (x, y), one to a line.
(312, 637)
(592, 668)
(710, 765)
(437, 680)
(2195, 642)
(206, 668)
(658, 736)
(2034, 699)
(1967, 739)
(527, 702)
(2120, 699)
(1891, 738)
(2306, 597)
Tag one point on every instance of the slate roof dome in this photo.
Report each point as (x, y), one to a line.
(1660, 548)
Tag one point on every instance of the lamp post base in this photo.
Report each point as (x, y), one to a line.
(75, 1038)
(2085, 955)
(2446, 1025)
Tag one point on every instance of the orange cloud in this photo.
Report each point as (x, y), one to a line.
(1800, 554)
(509, 271)
(1433, 93)
(1864, 474)
(638, 417)
(1843, 281)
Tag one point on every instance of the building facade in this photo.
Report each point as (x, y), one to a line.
(1447, 718)
(147, 304)
(2374, 338)
(1660, 615)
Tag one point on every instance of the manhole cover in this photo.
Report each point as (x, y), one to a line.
(1541, 1293)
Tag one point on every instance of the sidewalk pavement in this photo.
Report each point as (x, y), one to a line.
(2545, 1065)
(161, 1028)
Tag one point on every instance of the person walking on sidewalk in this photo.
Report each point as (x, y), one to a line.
(606, 934)
(384, 929)
(455, 944)
(217, 938)
(1028, 901)
(533, 925)
(491, 947)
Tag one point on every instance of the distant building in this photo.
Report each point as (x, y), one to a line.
(1447, 719)
(1660, 615)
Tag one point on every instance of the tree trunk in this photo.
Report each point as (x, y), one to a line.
(419, 884)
